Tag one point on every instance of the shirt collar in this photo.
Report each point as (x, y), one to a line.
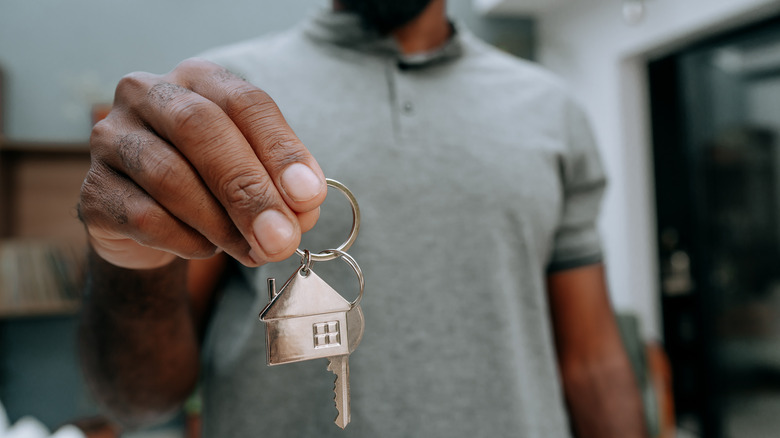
(345, 29)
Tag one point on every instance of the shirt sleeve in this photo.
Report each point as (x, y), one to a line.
(577, 242)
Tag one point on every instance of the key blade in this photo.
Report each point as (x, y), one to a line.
(339, 365)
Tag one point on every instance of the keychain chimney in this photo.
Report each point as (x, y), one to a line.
(271, 287)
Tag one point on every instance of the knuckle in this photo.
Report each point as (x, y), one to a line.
(246, 103)
(247, 192)
(202, 68)
(144, 221)
(100, 200)
(130, 149)
(191, 116)
(162, 94)
(284, 151)
(112, 137)
(88, 197)
(93, 186)
(192, 64)
(163, 168)
(131, 85)
(100, 135)
(280, 148)
(119, 134)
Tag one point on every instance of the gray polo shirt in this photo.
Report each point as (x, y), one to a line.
(476, 175)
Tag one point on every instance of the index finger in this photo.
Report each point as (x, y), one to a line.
(293, 169)
(235, 137)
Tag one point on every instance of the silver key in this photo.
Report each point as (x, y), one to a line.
(339, 365)
(307, 320)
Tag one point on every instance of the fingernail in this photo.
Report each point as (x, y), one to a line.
(300, 182)
(273, 231)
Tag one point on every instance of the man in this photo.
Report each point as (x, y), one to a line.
(486, 306)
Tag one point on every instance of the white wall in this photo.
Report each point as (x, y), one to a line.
(587, 43)
(60, 57)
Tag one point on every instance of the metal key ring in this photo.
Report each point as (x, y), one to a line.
(334, 253)
(355, 267)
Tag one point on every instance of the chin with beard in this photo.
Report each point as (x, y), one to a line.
(385, 15)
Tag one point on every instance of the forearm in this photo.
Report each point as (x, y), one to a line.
(601, 390)
(603, 398)
(139, 343)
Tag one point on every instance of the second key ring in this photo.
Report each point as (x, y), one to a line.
(330, 254)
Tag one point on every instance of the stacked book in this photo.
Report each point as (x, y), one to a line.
(40, 278)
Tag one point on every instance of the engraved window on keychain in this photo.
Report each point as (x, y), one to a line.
(307, 319)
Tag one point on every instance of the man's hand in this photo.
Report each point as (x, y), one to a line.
(193, 162)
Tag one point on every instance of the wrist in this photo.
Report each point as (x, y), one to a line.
(139, 293)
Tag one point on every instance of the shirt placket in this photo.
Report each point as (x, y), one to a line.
(403, 105)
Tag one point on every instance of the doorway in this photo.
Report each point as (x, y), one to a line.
(715, 108)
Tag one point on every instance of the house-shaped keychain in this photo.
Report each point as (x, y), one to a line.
(305, 320)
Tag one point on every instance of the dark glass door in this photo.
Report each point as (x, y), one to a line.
(716, 137)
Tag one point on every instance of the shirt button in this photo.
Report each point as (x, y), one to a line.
(408, 107)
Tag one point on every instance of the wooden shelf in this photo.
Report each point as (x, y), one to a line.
(26, 148)
(39, 277)
(42, 242)
(39, 189)
(31, 310)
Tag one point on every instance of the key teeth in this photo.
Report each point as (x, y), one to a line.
(337, 366)
(337, 399)
(339, 420)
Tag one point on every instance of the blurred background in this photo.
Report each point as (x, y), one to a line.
(685, 102)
